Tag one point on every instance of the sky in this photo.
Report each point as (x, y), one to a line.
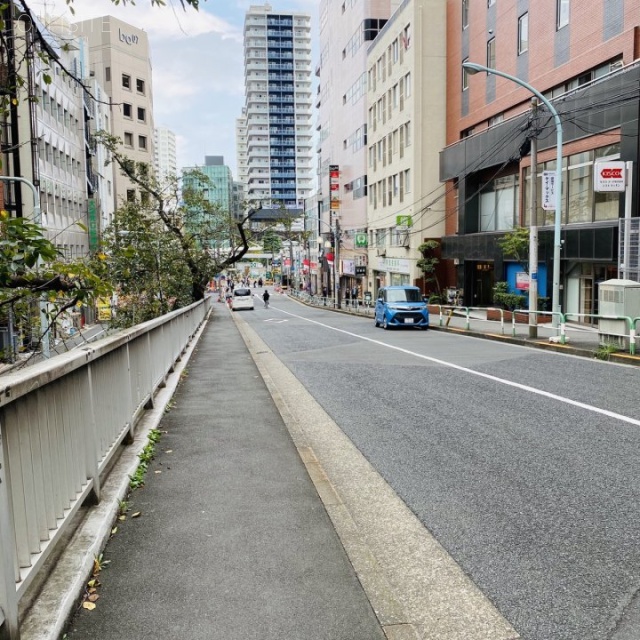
(197, 60)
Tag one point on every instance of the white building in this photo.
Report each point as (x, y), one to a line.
(165, 158)
(120, 61)
(242, 168)
(346, 30)
(277, 57)
(406, 98)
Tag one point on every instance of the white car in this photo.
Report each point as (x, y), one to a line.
(242, 299)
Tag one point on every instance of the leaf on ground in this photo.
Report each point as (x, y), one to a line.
(137, 514)
(122, 518)
(90, 606)
(93, 597)
(92, 583)
(157, 471)
(114, 531)
(169, 451)
(92, 590)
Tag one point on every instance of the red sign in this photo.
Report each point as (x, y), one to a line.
(611, 173)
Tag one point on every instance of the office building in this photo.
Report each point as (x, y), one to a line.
(120, 61)
(584, 58)
(165, 160)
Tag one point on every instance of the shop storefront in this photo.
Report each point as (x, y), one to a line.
(391, 272)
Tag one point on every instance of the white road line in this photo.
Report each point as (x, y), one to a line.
(509, 383)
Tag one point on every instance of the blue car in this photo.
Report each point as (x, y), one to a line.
(401, 307)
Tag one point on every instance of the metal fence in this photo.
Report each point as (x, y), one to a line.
(61, 423)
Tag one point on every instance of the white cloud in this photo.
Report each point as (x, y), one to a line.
(161, 23)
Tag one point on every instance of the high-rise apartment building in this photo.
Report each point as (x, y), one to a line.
(346, 31)
(165, 160)
(120, 61)
(277, 61)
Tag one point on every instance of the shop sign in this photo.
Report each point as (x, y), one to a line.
(609, 176)
(404, 222)
(394, 265)
(362, 240)
(548, 190)
(348, 267)
(361, 271)
(522, 281)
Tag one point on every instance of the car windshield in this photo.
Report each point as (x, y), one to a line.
(404, 295)
(242, 292)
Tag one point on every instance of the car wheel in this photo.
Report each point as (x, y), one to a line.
(385, 324)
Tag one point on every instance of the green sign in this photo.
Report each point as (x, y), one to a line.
(361, 240)
(93, 225)
(404, 221)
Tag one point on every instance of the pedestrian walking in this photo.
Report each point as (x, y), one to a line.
(265, 297)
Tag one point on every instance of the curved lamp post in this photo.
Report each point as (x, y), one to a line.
(473, 68)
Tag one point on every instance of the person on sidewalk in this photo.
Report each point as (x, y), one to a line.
(265, 297)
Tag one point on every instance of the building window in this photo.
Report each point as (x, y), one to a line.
(499, 204)
(523, 33)
(127, 110)
(128, 139)
(142, 114)
(126, 81)
(465, 14)
(140, 86)
(107, 74)
(491, 53)
(562, 13)
(131, 195)
(142, 142)
(465, 76)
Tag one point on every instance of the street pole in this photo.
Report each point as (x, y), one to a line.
(533, 230)
(336, 269)
(473, 68)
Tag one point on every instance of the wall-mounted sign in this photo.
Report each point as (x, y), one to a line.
(361, 271)
(361, 240)
(127, 38)
(404, 221)
(609, 176)
(522, 281)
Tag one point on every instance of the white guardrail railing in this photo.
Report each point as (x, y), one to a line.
(61, 423)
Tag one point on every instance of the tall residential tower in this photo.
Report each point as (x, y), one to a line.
(277, 60)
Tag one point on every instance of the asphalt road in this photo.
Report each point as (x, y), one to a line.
(522, 463)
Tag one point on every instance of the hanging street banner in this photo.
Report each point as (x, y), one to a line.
(548, 190)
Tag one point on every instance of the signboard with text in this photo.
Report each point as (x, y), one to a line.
(548, 190)
(609, 176)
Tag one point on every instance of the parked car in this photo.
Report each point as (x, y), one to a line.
(242, 298)
(401, 306)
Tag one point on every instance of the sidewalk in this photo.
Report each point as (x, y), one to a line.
(232, 541)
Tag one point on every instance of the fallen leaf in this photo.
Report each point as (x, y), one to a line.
(93, 597)
(92, 590)
(137, 514)
(92, 583)
(169, 451)
(122, 518)
(157, 471)
(114, 531)
(88, 605)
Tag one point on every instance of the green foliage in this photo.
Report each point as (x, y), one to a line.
(515, 244)
(605, 349)
(503, 298)
(428, 262)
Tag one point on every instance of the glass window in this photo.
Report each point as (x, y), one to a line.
(465, 14)
(465, 76)
(126, 81)
(127, 110)
(140, 86)
(562, 13)
(491, 53)
(142, 114)
(523, 33)
(142, 142)
(128, 139)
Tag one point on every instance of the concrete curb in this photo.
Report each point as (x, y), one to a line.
(69, 573)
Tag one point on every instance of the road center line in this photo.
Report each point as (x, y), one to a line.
(487, 376)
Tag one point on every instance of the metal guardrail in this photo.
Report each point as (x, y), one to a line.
(61, 423)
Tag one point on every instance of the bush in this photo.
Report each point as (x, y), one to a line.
(503, 298)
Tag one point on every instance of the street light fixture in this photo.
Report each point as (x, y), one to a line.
(472, 68)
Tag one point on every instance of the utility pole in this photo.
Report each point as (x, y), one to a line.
(336, 265)
(533, 229)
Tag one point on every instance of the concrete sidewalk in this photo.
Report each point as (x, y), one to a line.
(232, 541)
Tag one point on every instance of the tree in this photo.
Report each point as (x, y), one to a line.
(166, 204)
(515, 244)
(428, 262)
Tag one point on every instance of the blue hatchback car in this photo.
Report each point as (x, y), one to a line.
(401, 306)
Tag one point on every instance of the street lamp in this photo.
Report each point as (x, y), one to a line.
(335, 232)
(472, 68)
